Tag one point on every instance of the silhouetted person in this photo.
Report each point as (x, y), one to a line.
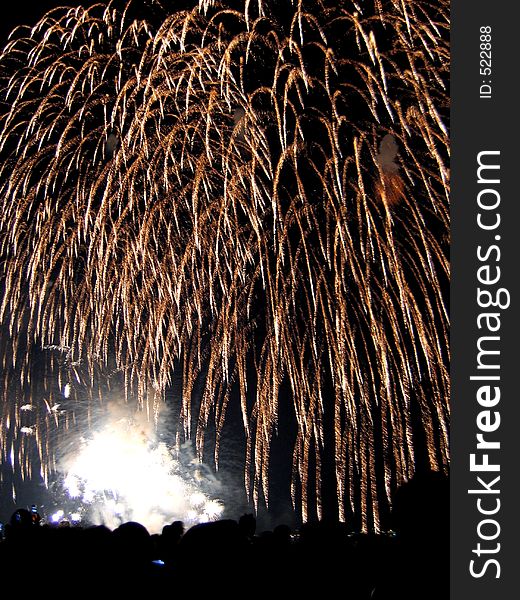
(168, 544)
(21, 551)
(214, 557)
(418, 563)
(35, 515)
(247, 526)
(133, 567)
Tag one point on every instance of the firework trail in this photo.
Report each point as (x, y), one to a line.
(237, 187)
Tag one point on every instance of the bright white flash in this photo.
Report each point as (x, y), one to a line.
(57, 516)
(124, 476)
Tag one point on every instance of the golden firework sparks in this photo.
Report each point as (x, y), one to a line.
(226, 188)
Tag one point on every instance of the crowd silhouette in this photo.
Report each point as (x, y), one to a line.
(231, 557)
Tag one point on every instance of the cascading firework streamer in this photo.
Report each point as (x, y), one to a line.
(252, 196)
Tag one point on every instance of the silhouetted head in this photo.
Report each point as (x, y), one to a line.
(132, 542)
(21, 518)
(171, 534)
(247, 525)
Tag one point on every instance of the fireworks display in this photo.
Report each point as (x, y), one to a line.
(120, 473)
(252, 195)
